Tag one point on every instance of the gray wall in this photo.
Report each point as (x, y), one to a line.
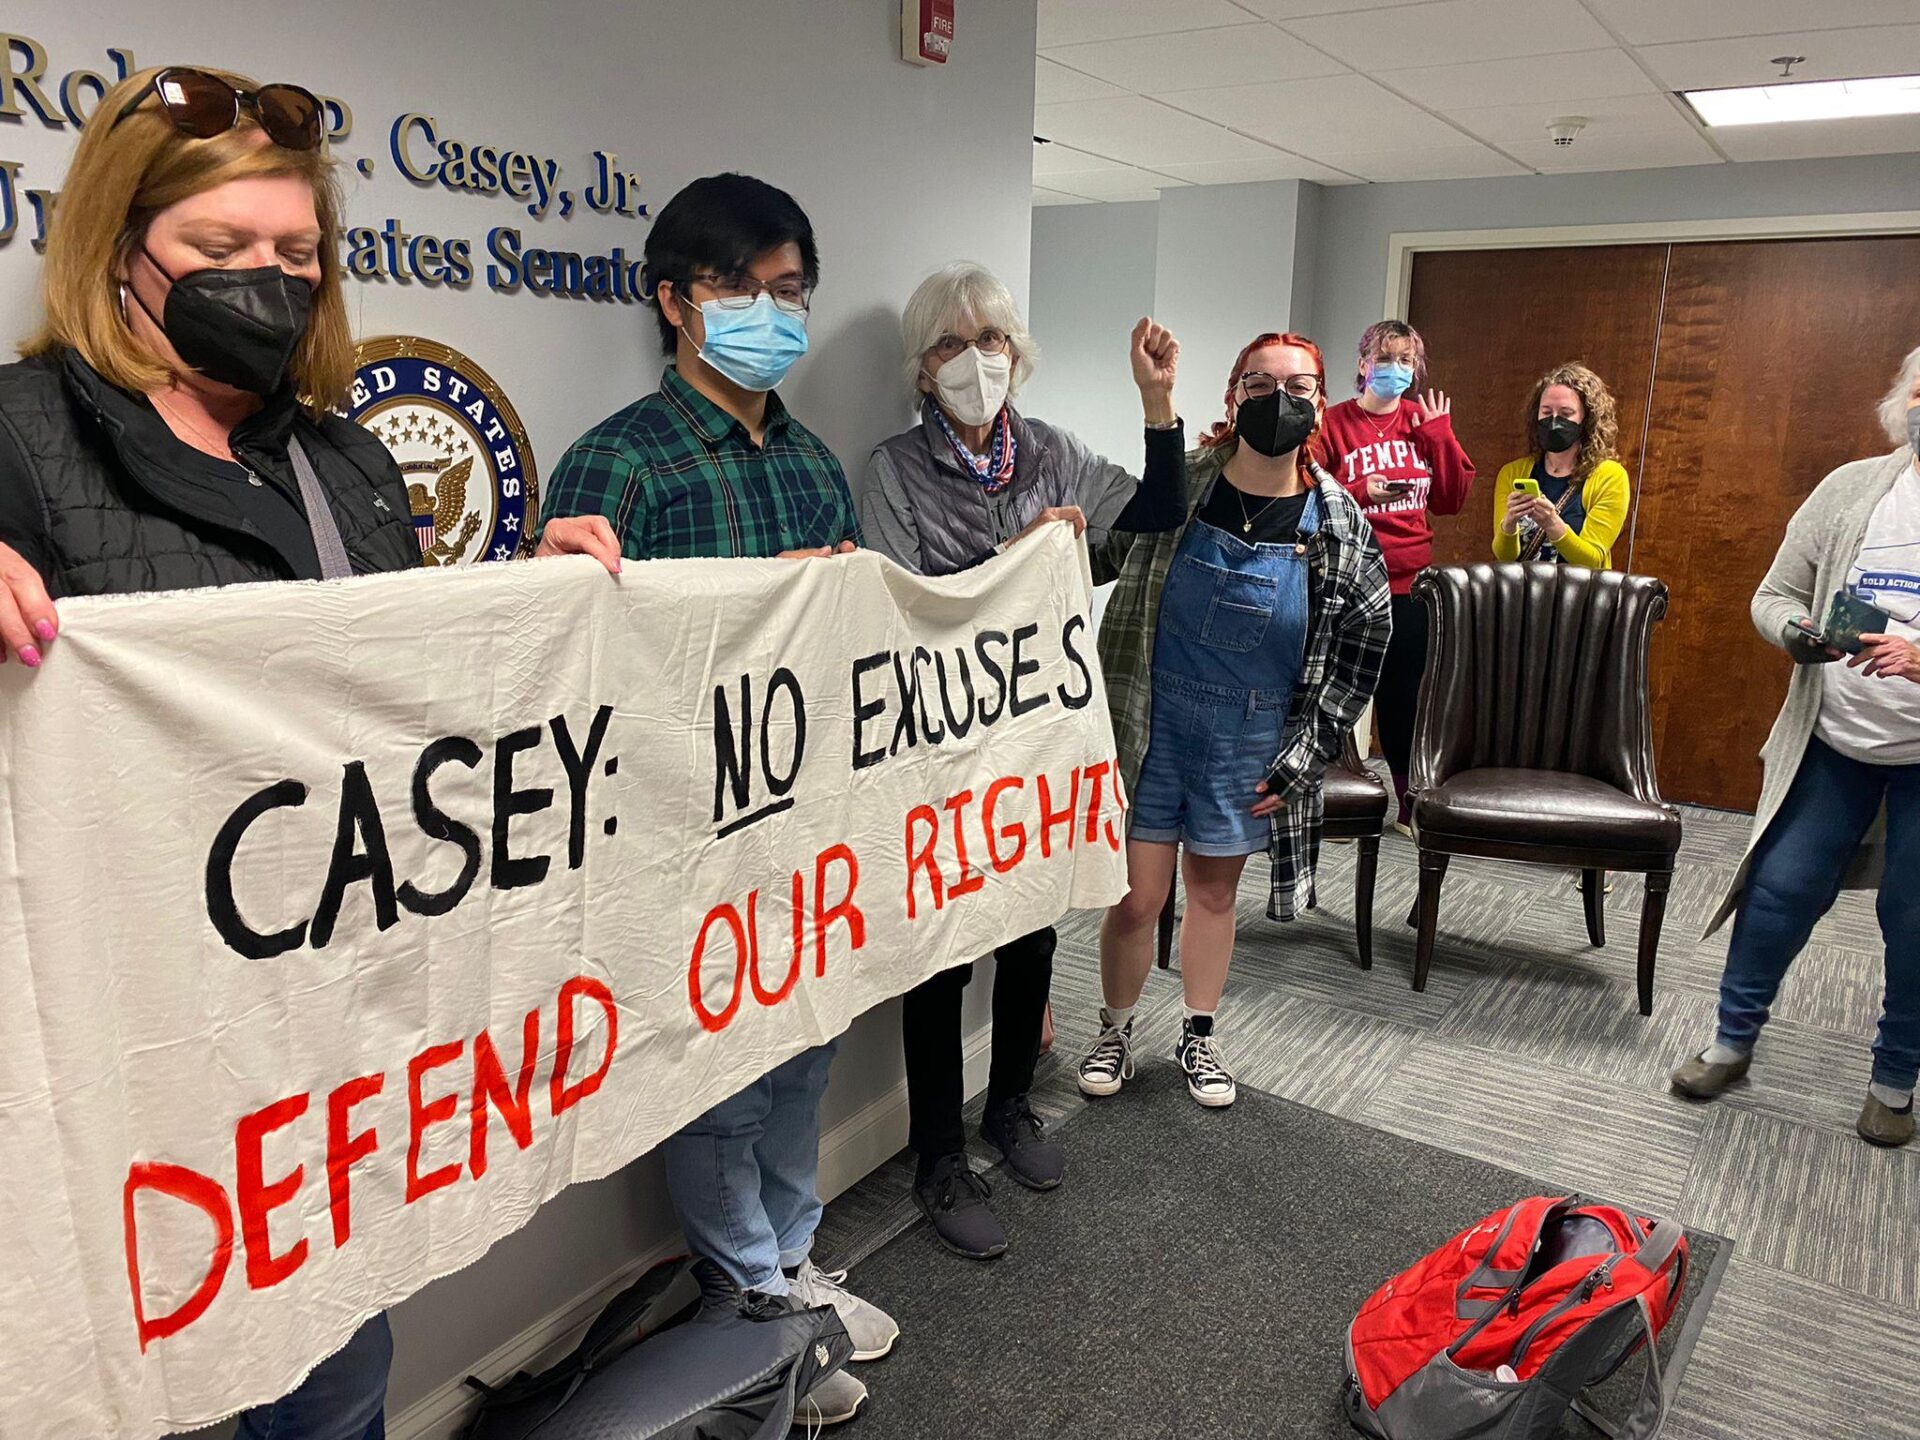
(1092, 279)
(1355, 221)
(901, 168)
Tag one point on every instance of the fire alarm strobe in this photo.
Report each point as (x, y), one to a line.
(926, 31)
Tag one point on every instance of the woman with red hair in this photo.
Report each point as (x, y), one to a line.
(1239, 649)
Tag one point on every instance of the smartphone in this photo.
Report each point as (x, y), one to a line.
(1528, 487)
(1849, 617)
(1398, 487)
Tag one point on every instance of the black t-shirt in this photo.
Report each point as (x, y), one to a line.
(1275, 519)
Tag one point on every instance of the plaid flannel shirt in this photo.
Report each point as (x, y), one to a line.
(680, 478)
(1349, 619)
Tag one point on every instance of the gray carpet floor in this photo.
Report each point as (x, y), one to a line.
(1526, 1051)
(1213, 1305)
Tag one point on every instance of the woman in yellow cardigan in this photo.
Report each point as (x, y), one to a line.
(1580, 503)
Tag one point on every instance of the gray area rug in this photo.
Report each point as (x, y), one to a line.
(1194, 1277)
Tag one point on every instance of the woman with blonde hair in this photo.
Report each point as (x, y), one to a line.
(171, 427)
(1566, 502)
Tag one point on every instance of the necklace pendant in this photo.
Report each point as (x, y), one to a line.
(1247, 529)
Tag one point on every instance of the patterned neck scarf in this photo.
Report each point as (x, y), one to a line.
(993, 470)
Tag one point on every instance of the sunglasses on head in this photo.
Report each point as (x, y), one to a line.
(204, 105)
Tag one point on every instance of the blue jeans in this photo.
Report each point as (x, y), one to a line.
(343, 1399)
(743, 1174)
(1794, 879)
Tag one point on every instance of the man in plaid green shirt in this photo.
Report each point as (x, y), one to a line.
(712, 465)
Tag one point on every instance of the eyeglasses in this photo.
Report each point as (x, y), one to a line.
(738, 292)
(987, 342)
(1257, 385)
(203, 106)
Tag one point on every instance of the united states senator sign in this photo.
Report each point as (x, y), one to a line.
(342, 925)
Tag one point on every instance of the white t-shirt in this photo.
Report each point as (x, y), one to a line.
(1871, 717)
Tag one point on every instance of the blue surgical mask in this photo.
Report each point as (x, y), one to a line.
(754, 346)
(1389, 379)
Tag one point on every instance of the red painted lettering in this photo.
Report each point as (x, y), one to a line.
(255, 1200)
(343, 1149)
(845, 909)
(421, 1116)
(785, 988)
(1017, 831)
(923, 859)
(714, 1021)
(1050, 817)
(970, 880)
(195, 1189)
(1095, 774)
(490, 1087)
(566, 1096)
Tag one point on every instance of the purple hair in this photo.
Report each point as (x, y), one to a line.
(1377, 334)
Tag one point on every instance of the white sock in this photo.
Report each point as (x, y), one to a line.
(1116, 1015)
(1891, 1098)
(1718, 1054)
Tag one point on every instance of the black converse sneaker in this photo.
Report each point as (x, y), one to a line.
(1208, 1079)
(1109, 1064)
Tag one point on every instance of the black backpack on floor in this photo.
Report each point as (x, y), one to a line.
(731, 1367)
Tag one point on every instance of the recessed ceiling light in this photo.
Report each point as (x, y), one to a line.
(1807, 100)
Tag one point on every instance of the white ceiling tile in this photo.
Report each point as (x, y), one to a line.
(1113, 184)
(1831, 55)
(1294, 9)
(1064, 160)
(1621, 150)
(1879, 135)
(1436, 162)
(1056, 84)
(1504, 124)
(1452, 32)
(1588, 74)
(1232, 55)
(1651, 22)
(1335, 112)
(1055, 197)
(1141, 132)
(1247, 172)
(1068, 22)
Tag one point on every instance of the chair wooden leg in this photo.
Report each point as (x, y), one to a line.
(1166, 928)
(1651, 915)
(1366, 867)
(1433, 870)
(1593, 890)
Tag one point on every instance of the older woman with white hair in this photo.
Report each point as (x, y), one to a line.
(970, 478)
(1841, 800)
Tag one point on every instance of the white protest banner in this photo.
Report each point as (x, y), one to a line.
(342, 925)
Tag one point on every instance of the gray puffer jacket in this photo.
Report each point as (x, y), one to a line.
(920, 508)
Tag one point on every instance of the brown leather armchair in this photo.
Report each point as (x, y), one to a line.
(1533, 740)
(1356, 810)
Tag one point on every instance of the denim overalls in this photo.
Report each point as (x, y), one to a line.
(1226, 658)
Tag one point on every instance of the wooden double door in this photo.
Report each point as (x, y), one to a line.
(1745, 371)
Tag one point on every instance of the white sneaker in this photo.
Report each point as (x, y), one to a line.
(834, 1400)
(871, 1329)
(1109, 1064)
(1208, 1079)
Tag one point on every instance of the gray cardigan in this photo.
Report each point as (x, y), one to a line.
(1822, 541)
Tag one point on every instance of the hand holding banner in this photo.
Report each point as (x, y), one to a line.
(342, 925)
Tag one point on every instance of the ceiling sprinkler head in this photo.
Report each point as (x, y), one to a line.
(1786, 63)
(1565, 128)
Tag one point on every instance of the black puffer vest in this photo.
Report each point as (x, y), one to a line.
(122, 508)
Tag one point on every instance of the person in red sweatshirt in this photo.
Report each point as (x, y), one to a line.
(1398, 457)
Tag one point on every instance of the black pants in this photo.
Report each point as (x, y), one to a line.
(1398, 695)
(930, 1028)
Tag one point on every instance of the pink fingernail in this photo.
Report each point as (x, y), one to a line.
(30, 657)
(44, 629)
